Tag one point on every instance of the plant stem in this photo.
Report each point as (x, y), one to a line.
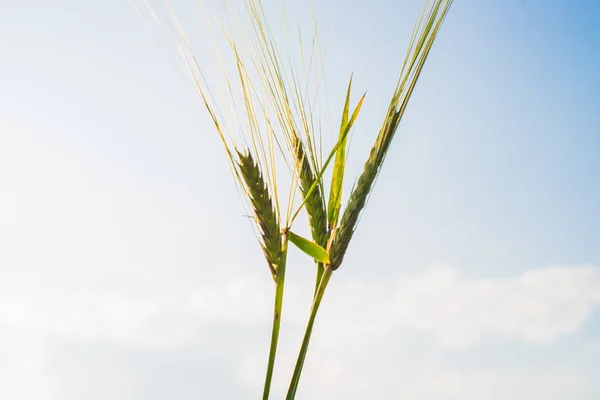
(305, 342)
(319, 275)
(276, 317)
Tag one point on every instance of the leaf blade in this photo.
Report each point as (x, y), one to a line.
(331, 154)
(337, 178)
(310, 248)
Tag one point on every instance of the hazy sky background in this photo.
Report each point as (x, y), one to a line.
(127, 269)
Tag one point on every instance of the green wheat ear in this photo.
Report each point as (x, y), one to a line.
(424, 35)
(360, 193)
(314, 205)
(262, 207)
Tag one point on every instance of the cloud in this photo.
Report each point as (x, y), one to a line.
(553, 382)
(154, 320)
(369, 337)
(22, 366)
(8, 207)
(361, 330)
(537, 306)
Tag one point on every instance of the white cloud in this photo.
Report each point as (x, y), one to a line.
(154, 320)
(538, 306)
(552, 382)
(8, 207)
(22, 366)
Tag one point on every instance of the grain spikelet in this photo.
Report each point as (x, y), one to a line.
(423, 37)
(315, 205)
(262, 207)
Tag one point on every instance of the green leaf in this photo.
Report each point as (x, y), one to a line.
(337, 179)
(346, 107)
(354, 115)
(310, 248)
(331, 154)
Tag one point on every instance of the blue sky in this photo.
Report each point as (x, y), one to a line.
(128, 271)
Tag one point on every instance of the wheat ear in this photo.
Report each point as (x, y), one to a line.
(315, 205)
(360, 193)
(424, 35)
(262, 207)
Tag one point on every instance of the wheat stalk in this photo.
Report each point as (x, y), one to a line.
(269, 114)
(274, 119)
(424, 34)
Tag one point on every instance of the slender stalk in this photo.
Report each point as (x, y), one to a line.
(276, 317)
(291, 395)
(320, 270)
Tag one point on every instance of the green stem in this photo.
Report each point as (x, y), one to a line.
(319, 275)
(305, 342)
(276, 318)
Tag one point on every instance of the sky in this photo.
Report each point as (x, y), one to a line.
(128, 270)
